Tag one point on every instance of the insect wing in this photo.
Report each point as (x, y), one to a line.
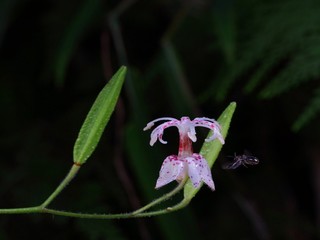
(231, 165)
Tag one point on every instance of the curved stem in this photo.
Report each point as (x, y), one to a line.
(163, 198)
(73, 171)
(176, 207)
(135, 214)
(85, 215)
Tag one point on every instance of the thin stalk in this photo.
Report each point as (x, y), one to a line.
(86, 215)
(177, 207)
(73, 171)
(40, 209)
(161, 199)
(20, 210)
(136, 214)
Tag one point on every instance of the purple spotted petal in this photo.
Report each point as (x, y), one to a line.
(186, 127)
(157, 133)
(211, 124)
(172, 169)
(198, 171)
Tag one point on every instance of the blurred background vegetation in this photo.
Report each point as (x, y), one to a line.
(188, 57)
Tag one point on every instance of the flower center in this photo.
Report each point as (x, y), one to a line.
(185, 146)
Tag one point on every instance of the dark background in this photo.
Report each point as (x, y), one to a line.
(189, 57)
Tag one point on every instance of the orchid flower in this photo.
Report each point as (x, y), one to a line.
(186, 163)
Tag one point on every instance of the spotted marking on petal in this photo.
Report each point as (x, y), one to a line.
(171, 169)
(198, 171)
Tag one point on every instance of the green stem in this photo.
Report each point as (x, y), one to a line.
(163, 198)
(135, 214)
(101, 216)
(86, 215)
(177, 207)
(20, 210)
(41, 209)
(73, 171)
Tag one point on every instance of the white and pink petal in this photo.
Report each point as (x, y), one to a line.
(172, 169)
(199, 171)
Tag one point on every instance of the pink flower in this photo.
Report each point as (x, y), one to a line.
(186, 163)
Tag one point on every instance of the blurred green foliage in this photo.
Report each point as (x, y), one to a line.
(184, 58)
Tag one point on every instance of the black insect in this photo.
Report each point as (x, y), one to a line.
(244, 159)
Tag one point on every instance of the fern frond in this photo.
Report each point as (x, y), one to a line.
(309, 112)
(304, 66)
(278, 50)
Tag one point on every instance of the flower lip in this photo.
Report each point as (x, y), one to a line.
(194, 166)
